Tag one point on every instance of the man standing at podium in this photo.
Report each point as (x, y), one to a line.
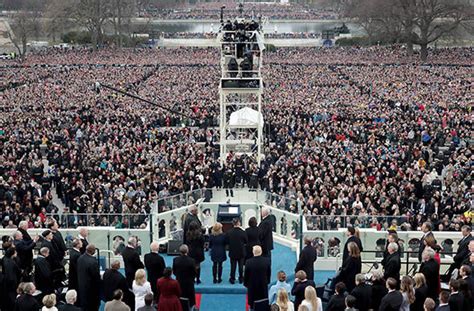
(236, 239)
(266, 233)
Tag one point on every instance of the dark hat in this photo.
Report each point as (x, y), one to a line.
(45, 233)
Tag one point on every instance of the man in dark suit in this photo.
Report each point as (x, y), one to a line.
(26, 301)
(236, 238)
(184, 268)
(190, 217)
(462, 252)
(155, 264)
(266, 233)
(43, 274)
(74, 254)
(456, 299)
(53, 257)
(83, 234)
(466, 274)
(24, 248)
(71, 298)
(11, 277)
(257, 276)
(430, 269)
(351, 237)
(393, 300)
(307, 258)
(113, 280)
(131, 260)
(392, 263)
(443, 301)
(363, 293)
(426, 228)
(58, 240)
(88, 280)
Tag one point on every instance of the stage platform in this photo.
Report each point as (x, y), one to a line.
(212, 296)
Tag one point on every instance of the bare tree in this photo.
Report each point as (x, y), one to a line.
(22, 26)
(122, 11)
(435, 18)
(57, 13)
(93, 14)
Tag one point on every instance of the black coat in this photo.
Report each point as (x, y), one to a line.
(68, 307)
(113, 280)
(457, 303)
(422, 245)
(363, 294)
(24, 249)
(337, 303)
(26, 302)
(43, 275)
(266, 235)
(132, 263)
(351, 267)
(308, 256)
(392, 267)
(184, 268)
(420, 296)
(356, 240)
(189, 218)
(88, 282)
(391, 302)
(236, 239)
(84, 245)
(11, 274)
(253, 238)
(298, 291)
(379, 290)
(26, 258)
(430, 269)
(196, 248)
(53, 258)
(256, 278)
(217, 246)
(155, 265)
(59, 245)
(463, 251)
(73, 257)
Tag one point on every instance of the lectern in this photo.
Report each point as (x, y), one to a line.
(225, 214)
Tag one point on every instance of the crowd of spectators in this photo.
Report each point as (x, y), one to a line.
(211, 10)
(351, 131)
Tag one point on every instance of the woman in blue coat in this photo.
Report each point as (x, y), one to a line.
(217, 246)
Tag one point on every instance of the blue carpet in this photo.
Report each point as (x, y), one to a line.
(218, 301)
(283, 258)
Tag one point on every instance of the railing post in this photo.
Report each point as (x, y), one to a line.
(407, 255)
(301, 232)
(151, 227)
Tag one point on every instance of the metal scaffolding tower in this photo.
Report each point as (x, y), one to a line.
(241, 88)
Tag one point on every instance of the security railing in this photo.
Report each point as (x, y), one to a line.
(334, 222)
(172, 202)
(116, 220)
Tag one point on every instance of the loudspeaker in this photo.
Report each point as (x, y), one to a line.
(173, 247)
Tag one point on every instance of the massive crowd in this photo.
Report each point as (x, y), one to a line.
(352, 132)
(211, 10)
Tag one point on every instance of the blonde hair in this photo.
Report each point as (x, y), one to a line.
(282, 299)
(354, 250)
(407, 287)
(357, 232)
(420, 280)
(49, 301)
(217, 229)
(140, 277)
(310, 295)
